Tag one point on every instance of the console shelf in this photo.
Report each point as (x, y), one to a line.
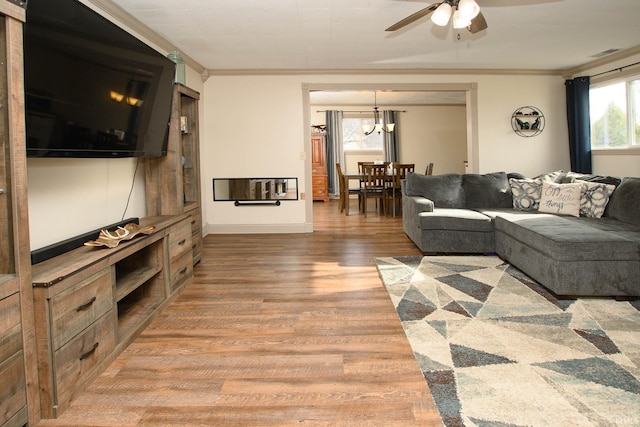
(135, 308)
(137, 269)
(92, 302)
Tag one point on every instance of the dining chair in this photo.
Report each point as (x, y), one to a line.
(345, 191)
(429, 170)
(394, 191)
(361, 166)
(361, 171)
(374, 185)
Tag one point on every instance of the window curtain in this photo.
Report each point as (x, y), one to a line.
(335, 151)
(390, 143)
(577, 92)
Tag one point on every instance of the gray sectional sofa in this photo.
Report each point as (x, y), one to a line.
(534, 225)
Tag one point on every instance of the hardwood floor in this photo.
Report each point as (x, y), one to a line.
(276, 330)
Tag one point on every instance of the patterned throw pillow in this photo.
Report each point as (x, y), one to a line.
(526, 193)
(562, 199)
(594, 198)
(555, 176)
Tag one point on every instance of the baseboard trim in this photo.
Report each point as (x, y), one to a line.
(258, 228)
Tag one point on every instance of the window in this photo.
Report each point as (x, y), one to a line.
(354, 138)
(615, 114)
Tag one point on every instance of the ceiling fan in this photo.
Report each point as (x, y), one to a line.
(465, 13)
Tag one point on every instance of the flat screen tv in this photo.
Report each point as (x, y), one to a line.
(92, 89)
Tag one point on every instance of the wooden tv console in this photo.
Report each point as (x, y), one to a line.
(91, 302)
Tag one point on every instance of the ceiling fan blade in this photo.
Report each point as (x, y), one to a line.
(478, 24)
(411, 18)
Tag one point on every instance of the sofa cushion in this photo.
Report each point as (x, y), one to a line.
(515, 175)
(526, 193)
(610, 225)
(562, 199)
(490, 190)
(455, 219)
(624, 204)
(445, 191)
(563, 238)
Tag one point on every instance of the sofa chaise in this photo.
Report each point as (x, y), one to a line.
(576, 234)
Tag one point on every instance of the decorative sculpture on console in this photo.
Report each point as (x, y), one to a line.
(111, 239)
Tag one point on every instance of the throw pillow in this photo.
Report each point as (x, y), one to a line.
(575, 176)
(594, 198)
(562, 199)
(526, 193)
(555, 177)
(490, 190)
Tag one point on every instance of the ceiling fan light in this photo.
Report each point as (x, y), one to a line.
(442, 14)
(468, 9)
(459, 21)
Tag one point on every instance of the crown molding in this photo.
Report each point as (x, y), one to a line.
(601, 62)
(129, 23)
(374, 71)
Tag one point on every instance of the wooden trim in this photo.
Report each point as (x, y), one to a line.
(17, 153)
(12, 10)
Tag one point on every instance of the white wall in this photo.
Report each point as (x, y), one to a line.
(258, 125)
(253, 128)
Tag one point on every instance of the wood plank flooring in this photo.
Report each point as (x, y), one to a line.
(276, 330)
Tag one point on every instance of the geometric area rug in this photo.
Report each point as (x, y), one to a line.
(498, 349)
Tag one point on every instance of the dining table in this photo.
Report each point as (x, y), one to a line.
(398, 168)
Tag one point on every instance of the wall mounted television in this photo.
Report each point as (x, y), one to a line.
(91, 88)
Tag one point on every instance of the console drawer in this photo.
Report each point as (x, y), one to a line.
(181, 270)
(80, 305)
(10, 327)
(179, 241)
(195, 220)
(13, 393)
(75, 360)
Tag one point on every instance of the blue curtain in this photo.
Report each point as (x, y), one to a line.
(391, 150)
(335, 151)
(579, 123)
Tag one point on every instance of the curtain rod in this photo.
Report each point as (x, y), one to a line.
(616, 69)
(360, 112)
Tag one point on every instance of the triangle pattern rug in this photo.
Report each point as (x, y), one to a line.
(497, 349)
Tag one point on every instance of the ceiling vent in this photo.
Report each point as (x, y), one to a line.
(605, 53)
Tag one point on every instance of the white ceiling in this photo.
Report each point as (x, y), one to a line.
(348, 35)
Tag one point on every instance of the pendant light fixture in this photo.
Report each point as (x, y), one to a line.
(379, 125)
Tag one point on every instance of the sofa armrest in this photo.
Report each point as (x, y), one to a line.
(420, 204)
(415, 204)
(412, 206)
